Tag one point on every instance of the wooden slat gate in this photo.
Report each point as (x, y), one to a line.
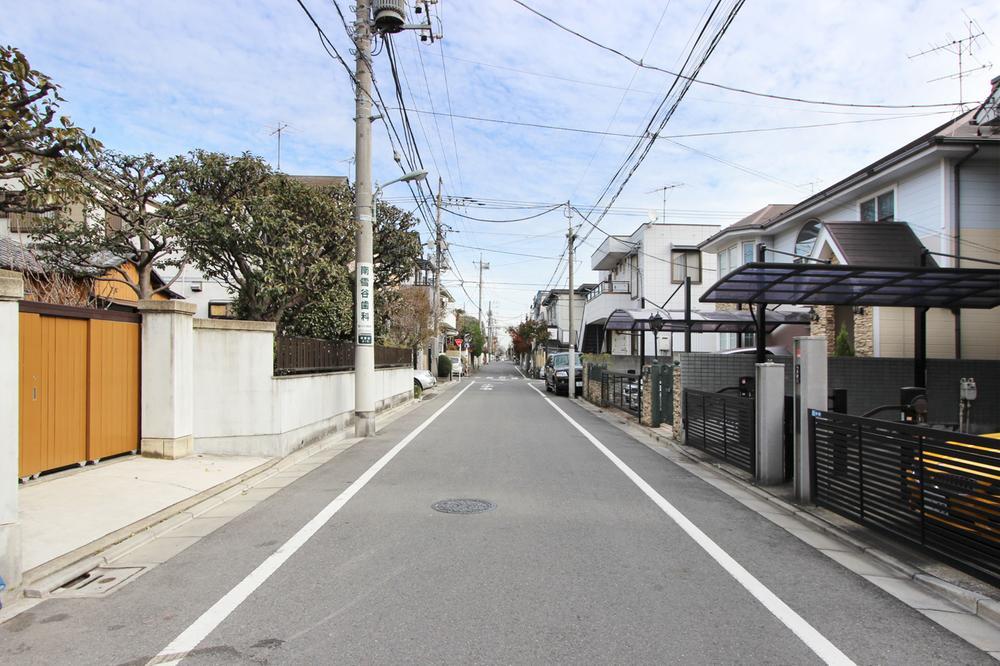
(79, 385)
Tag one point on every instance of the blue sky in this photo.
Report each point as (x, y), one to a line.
(169, 77)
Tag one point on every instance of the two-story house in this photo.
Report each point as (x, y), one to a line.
(643, 270)
(944, 185)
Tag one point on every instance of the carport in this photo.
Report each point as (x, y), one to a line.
(921, 288)
(686, 321)
(927, 487)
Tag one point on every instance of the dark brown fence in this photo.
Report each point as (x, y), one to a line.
(299, 356)
(393, 357)
(935, 489)
(723, 425)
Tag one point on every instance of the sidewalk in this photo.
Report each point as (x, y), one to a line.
(64, 513)
(74, 521)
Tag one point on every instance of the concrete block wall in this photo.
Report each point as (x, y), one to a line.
(242, 409)
(711, 372)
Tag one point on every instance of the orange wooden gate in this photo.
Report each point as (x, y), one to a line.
(79, 385)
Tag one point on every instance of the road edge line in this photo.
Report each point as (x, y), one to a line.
(207, 622)
(809, 635)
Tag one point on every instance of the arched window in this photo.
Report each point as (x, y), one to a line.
(807, 238)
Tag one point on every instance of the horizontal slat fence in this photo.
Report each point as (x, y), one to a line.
(298, 356)
(722, 425)
(936, 489)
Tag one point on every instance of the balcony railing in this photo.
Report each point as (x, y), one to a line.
(610, 287)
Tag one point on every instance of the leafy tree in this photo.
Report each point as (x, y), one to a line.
(472, 332)
(282, 247)
(526, 335)
(123, 217)
(842, 345)
(410, 318)
(32, 141)
(396, 248)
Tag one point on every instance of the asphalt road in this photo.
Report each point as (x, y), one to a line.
(575, 564)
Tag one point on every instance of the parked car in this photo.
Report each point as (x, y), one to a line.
(557, 374)
(424, 379)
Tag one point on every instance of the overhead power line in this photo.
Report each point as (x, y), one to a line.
(749, 130)
(743, 91)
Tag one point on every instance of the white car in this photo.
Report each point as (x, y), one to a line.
(424, 379)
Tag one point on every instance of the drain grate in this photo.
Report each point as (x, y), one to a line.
(463, 506)
(98, 582)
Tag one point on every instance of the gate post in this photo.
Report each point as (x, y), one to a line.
(809, 387)
(167, 378)
(11, 291)
(770, 423)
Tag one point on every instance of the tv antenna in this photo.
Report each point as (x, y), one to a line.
(665, 189)
(281, 128)
(962, 48)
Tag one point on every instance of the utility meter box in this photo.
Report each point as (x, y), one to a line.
(967, 389)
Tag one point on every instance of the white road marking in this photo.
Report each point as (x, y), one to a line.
(486, 387)
(189, 639)
(814, 640)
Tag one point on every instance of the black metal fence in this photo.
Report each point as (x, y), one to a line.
(722, 425)
(935, 489)
(621, 390)
(299, 356)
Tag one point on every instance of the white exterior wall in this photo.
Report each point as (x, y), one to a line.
(241, 408)
(211, 291)
(11, 291)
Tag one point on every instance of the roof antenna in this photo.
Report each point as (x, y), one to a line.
(962, 47)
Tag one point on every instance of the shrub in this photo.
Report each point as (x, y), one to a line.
(842, 345)
(417, 390)
(444, 366)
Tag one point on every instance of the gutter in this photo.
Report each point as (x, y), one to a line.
(958, 239)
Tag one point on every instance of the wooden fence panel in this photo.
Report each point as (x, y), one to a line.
(31, 458)
(113, 412)
(79, 387)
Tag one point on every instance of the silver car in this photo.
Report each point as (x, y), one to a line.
(424, 379)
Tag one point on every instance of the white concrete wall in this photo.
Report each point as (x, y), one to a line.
(240, 408)
(11, 290)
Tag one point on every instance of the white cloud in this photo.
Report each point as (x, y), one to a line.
(167, 77)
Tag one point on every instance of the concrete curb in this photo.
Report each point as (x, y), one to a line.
(45, 578)
(981, 605)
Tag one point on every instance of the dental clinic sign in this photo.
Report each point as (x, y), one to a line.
(364, 305)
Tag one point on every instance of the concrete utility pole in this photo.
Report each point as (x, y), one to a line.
(489, 331)
(438, 241)
(482, 265)
(571, 371)
(364, 313)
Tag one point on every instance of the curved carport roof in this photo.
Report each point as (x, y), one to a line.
(739, 321)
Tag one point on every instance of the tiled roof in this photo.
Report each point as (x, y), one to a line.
(889, 244)
(14, 256)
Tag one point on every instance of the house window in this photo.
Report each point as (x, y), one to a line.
(27, 222)
(806, 239)
(729, 259)
(748, 252)
(685, 263)
(881, 208)
(221, 310)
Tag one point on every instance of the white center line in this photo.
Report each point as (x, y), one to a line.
(814, 640)
(213, 617)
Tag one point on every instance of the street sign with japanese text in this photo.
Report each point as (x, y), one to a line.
(458, 342)
(364, 312)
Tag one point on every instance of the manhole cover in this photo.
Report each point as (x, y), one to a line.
(463, 506)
